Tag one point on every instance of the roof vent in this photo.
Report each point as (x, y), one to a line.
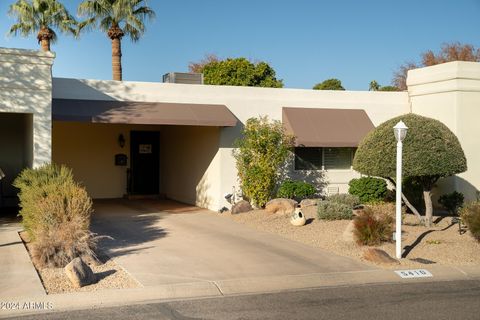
(183, 77)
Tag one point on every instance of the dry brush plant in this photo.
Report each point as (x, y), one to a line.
(56, 214)
(374, 224)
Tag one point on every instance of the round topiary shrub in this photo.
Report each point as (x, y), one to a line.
(430, 151)
(368, 189)
(329, 210)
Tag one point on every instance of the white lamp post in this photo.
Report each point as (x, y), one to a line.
(400, 131)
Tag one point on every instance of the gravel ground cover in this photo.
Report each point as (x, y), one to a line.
(441, 244)
(109, 274)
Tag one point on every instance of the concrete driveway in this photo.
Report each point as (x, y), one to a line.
(169, 243)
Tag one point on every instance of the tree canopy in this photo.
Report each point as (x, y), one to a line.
(329, 84)
(42, 17)
(455, 51)
(430, 151)
(117, 18)
(236, 72)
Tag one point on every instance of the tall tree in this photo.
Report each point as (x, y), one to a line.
(237, 72)
(329, 84)
(41, 17)
(374, 86)
(449, 52)
(430, 152)
(118, 18)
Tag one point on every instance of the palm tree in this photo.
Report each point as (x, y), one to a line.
(117, 18)
(374, 86)
(41, 17)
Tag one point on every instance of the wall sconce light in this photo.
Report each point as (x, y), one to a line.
(121, 140)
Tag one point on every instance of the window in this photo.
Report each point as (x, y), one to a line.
(323, 158)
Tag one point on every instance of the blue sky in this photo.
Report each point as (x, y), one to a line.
(306, 41)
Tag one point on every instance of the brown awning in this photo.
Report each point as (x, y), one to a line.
(101, 111)
(327, 127)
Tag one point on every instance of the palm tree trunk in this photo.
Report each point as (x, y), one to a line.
(117, 59)
(45, 43)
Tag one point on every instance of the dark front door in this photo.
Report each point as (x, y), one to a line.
(145, 163)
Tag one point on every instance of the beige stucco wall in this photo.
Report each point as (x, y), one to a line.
(90, 149)
(189, 164)
(26, 87)
(450, 93)
(219, 176)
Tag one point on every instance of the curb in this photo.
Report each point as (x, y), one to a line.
(231, 287)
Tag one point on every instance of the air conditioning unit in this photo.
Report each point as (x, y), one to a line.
(183, 77)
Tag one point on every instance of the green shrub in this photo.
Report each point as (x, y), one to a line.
(452, 201)
(347, 199)
(368, 189)
(260, 154)
(296, 190)
(470, 214)
(374, 225)
(330, 210)
(56, 214)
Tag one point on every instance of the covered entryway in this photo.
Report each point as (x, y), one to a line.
(16, 153)
(119, 148)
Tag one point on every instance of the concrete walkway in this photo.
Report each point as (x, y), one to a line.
(18, 277)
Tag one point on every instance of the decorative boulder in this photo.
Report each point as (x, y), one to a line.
(241, 206)
(79, 273)
(378, 256)
(308, 203)
(281, 206)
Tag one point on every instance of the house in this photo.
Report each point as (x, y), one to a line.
(149, 138)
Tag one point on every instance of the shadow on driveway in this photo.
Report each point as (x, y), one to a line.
(130, 225)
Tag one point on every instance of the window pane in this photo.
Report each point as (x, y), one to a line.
(338, 158)
(308, 158)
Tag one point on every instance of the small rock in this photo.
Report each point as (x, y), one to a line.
(281, 206)
(79, 273)
(241, 206)
(347, 235)
(378, 256)
(308, 203)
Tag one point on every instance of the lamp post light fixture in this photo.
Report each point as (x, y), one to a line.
(400, 131)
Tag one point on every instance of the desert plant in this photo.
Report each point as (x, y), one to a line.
(452, 201)
(259, 155)
(430, 151)
(344, 198)
(297, 190)
(330, 210)
(368, 189)
(373, 226)
(470, 214)
(56, 214)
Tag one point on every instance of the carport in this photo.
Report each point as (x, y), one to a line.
(16, 147)
(140, 149)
